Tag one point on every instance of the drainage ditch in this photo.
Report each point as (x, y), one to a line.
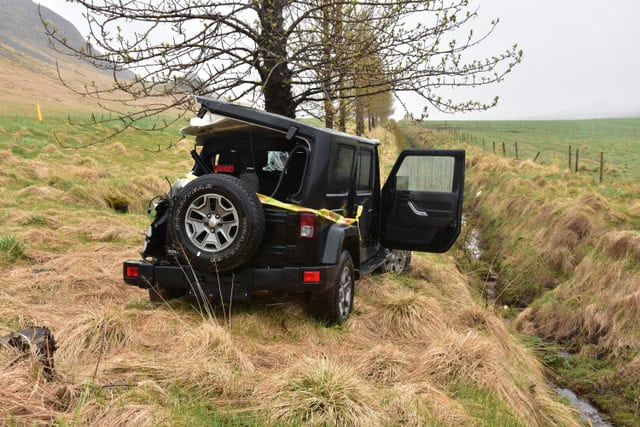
(473, 252)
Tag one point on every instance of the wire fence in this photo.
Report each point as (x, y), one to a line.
(573, 156)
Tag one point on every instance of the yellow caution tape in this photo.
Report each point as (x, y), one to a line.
(324, 213)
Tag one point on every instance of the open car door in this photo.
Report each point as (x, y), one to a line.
(422, 200)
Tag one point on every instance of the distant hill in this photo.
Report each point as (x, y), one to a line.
(22, 34)
(28, 72)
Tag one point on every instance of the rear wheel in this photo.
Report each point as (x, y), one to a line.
(335, 305)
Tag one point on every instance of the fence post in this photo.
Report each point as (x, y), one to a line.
(504, 149)
(517, 151)
(494, 147)
(484, 147)
(569, 158)
(601, 165)
(577, 158)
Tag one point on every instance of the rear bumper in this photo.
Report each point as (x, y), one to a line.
(238, 285)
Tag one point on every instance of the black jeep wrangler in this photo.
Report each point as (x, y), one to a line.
(276, 205)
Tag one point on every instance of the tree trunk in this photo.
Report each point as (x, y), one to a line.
(326, 71)
(274, 70)
(359, 116)
(342, 114)
(328, 114)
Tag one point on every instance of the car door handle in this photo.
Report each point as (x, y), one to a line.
(415, 210)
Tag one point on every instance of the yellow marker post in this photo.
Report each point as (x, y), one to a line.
(38, 112)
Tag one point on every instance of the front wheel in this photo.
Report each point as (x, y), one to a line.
(397, 261)
(335, 305)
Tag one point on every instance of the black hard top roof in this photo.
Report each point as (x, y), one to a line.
(271, 120)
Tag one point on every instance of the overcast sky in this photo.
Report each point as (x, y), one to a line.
(581, 58)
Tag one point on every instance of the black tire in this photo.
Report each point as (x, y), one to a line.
(398, 261)
(334, 306)
(217, 223)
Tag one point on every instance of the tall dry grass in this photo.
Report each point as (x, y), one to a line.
(320, 392)
(557, 236)
(97, 332)
(122, 361)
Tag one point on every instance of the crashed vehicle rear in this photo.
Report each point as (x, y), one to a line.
(274, 205)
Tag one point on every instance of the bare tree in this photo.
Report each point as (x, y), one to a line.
(282, 55)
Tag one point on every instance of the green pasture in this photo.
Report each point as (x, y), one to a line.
(617, 139)
(54, 170)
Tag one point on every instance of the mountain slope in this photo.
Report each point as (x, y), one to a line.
(22, 32)
(31, 71)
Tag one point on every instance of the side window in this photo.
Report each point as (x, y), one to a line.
(340, 169)
(365, 169)
(425, 173)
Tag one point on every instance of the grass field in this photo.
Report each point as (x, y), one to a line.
(419, 350)
(567, 251)
(618, 139)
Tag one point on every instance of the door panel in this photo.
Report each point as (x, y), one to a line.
(422, 200)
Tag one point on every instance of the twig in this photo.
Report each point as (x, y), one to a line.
(95, 371)
(118, 385)
(233, 277)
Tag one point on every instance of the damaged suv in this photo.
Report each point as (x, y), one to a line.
(274, 205)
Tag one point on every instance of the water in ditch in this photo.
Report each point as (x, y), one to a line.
(587, 411)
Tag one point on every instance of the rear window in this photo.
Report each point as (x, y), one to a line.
(340, 169)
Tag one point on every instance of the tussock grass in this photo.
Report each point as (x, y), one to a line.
(138, 407)
(208, 359)
(24, 397)
(120, 414)
(621, 244)
(42, 193)
(320, 392)
(577, 311)
(455, 357)
(409, 315)
(11, 248)
(486, 323)
(630, 372)
(411, 404)
(7, 158)
(99, 331)
(103, 229)
(383, 364)
(117, 147)
(634, 209)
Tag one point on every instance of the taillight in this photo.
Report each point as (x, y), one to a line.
(223, 169)
(311, 276)
(132, 271)
(307, 225)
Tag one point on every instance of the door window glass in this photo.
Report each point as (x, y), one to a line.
(340, 169)
(426, 173)
(365, 159)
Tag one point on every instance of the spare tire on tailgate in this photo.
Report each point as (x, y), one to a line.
(217, 222)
